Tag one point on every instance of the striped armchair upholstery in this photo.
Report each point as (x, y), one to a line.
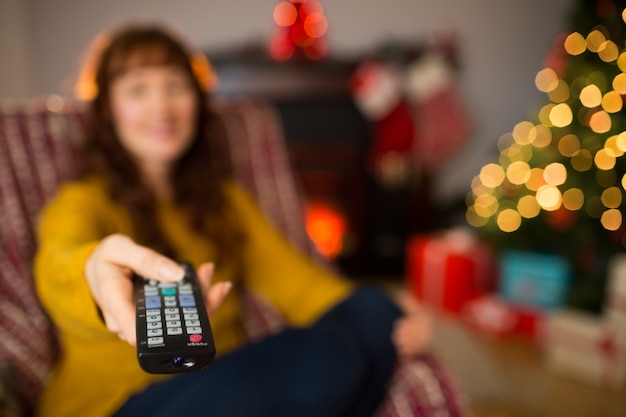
(37, 142)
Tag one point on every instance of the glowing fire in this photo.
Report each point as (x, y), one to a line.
(326, 226)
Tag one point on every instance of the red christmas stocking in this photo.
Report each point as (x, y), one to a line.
(443, 124)
(377, 92)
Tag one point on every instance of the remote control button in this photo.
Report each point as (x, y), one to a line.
(172, 317)
(153, 317)
(186, 300)
(173, 331)
(167, 285)
(195, 338)
(154, 325)
(190, 310)
(155, 341)
(171, 304)
(173, 323)
(191, 316)
(192, 323)
(168, 291)
(194, 330)
(155, 332)
(152, 312)
(150, 290)
(153, 302)
(170, 311)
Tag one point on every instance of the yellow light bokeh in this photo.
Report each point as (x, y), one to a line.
(573, 199)
(473, 219)
(561, 93)
(600, 122)
(608, 51)
(612, 147)
(619, 83)
(492, 175)
(611, 219)
(561, 115)
(540, 136)
(595, 39)
(555, 173)
(535, 180)
(612, 102)
(621, 61)
(546, 80)
(591, 96)
(611, 197)
(544, 114)
(582, 161)
(486, 205)
(521, 132)
(569, 145)
(509, 220)
(603, 160)
(549, 197)
(575, 44)
(620, 142)
(528, 207)
(518, 172)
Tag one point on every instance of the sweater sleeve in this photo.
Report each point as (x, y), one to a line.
(300, 289)
(68, 231)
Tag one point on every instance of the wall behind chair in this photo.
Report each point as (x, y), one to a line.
(502, 45)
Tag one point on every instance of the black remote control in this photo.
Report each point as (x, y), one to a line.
(173, 330)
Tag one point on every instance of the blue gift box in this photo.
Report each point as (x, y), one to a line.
(534, 279)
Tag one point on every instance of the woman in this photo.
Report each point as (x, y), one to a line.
(148, 196)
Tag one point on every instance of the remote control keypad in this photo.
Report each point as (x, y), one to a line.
(170, 309)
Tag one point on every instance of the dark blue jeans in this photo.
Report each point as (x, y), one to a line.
(339, 366)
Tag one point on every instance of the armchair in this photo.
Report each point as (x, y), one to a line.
(37, 142)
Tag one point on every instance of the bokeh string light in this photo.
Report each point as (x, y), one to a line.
(300, 29)
(577, 131)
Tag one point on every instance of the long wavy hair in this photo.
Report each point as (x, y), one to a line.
(195, 179)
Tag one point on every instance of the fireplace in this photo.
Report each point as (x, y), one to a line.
(328, 140)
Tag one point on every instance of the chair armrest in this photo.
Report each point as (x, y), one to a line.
(423, 387)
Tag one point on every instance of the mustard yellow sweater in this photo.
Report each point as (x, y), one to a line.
(97, 371)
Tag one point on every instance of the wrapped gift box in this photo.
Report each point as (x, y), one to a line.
(586, 347)
(446, 270)
(494, 315)
(534, 279)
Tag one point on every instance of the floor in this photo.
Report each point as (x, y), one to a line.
(507, 378)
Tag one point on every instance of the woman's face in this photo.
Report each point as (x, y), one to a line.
(154, 113)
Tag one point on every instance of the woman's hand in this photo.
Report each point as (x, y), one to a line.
(412, 333)
(109, 271)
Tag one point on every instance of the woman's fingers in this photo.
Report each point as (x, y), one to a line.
(121, 250)
(213, 294)
(216, 295)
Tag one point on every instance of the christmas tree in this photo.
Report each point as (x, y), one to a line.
(557, 184)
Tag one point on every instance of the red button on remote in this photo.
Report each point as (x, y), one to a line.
(195, 338)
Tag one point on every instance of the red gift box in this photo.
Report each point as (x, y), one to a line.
(448, 269)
